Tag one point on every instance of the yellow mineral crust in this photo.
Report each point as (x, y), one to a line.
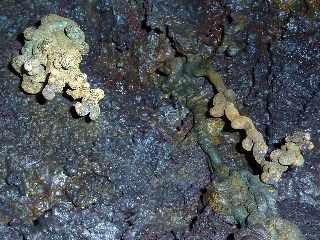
(290, 153)
(49, 62)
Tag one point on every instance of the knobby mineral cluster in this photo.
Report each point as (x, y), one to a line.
(49, 62)
(290, 153)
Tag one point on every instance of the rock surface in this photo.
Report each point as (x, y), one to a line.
(137, 172)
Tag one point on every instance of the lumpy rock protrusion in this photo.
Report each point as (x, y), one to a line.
(49, 62)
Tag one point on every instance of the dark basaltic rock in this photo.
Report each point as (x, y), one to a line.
(138, 172)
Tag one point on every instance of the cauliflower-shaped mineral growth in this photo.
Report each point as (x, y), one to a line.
(49, 62)
(290, 153)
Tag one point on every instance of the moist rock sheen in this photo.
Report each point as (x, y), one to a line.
(127, 175)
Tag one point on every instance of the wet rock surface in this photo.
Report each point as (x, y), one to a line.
(138, 172)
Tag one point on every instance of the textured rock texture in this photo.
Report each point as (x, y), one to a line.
(141, 171)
